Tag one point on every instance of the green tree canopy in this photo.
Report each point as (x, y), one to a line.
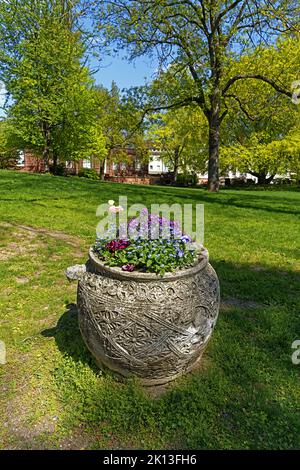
(181, 135)
(264, 160)
(201, 37)
(9, 145)
(42, 65)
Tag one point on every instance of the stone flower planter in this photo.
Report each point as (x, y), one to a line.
(155, 328)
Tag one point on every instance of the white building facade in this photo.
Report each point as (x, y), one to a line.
(156, 165)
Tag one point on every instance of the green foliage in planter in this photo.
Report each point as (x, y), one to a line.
(155, 244)
(158, 256)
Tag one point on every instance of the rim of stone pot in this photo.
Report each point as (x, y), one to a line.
(101, 268)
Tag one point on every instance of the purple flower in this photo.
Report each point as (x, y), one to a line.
(185, 238)
(180, 253)
(128, 267)
(115, 245)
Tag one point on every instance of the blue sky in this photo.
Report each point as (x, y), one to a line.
(118, 69)
(124, 73)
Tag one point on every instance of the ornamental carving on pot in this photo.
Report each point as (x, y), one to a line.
(137, 323)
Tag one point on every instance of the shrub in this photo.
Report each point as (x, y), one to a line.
(60, 169)
(187, 179)
(8, 159)
(240, 182)
(282, 181)
(89, 173)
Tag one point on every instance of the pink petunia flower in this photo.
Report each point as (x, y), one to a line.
(128, 267)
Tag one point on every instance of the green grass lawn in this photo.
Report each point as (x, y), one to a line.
(246, 393)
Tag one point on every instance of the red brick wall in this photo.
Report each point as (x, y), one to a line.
(96, 165)
(32, 164)
(35, 164)
(78, 165)
(133, 179)
(126, 169)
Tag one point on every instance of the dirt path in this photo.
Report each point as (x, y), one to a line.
(70, 239)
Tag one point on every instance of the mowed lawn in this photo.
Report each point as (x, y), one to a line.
(246, 394)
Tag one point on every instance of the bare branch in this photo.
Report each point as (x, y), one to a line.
(254, 76)
(230, 7)
(242, 107)
(178, 104)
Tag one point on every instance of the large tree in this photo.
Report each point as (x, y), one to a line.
(257, 129)
(181, 135)
(119, 116)
(263, 160)
(201, 37)
(254, 106)
(42, 63)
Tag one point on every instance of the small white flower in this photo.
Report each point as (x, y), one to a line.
(115, 209)
(111, 202)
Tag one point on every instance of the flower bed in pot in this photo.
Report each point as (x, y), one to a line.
(147, 307)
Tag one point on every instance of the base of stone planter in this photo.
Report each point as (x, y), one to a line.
(139, 324)
(121, 373)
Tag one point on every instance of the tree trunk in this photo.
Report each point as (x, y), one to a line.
(214, 120)
(47, 144)
(175, 174)
(271, 177)
(55, 161)
(102, 167)
(262, 179)
(46, 157)
(214, 145)
(176, 166)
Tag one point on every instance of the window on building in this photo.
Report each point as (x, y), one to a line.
(21, 158)
(87, 164)
(151, 167)
(115, 166)
(123, 166)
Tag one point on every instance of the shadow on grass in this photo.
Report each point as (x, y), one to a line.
(241, 282)
(273, 202)
(244, 397)
(68, 337)
(239, 200)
